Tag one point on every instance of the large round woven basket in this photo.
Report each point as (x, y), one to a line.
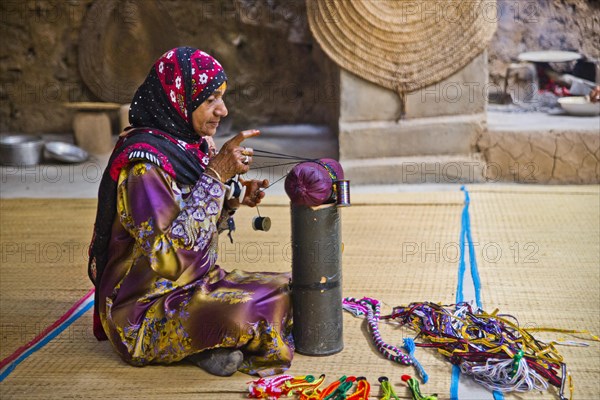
(119, 42)
(403, 45)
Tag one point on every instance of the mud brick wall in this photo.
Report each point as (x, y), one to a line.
(277, 73)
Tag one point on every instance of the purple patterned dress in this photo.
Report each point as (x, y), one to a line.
(162, 297)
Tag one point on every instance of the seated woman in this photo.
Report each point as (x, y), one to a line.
(160, 296)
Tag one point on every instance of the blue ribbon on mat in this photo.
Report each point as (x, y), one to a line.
(467, 239)
(59, 329)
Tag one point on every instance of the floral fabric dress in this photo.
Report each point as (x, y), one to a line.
(162, 296)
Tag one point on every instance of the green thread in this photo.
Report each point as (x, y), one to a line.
(413, 384)
(388, 390)
(340, 392)
(516, 361)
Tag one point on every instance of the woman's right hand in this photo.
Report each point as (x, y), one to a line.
(595, 95)
(233, 159)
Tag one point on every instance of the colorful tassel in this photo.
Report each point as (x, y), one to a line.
(304, 385)
(409, 346)
(371, 308)
(268, 388)
(413, 385)
(387, 389)
(345, 383)
(363, 388)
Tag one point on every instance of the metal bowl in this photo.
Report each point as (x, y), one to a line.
(579, 105)
(21, 150)
(65, 152)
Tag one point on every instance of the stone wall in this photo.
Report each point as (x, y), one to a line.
(38, 64)
(530, 25)
(277, 74)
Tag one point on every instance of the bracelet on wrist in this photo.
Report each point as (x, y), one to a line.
(217, 175)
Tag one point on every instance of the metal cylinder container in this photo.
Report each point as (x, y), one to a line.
(317, 280)
(21, 150)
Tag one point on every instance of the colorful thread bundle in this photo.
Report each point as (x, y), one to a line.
(413, 385)
(387, 389)
(283, 385)
(363, 388)
(371, 308)
(307, 388)
(492, 348)
(410, 347)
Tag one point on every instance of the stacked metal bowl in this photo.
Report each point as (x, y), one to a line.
(27, 150)
(21, 150)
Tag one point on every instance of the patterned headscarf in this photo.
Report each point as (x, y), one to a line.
(161, 133)
(181, 80)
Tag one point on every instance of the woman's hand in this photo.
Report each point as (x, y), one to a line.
(595, 95)
(253, 195)
(212, 147)
(232, 159)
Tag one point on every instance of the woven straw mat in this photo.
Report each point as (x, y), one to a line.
(537, 254)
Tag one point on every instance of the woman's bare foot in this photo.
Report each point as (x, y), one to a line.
(220, 362)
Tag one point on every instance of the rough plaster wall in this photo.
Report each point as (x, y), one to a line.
(265, 47)
(38, 64)
(268, 53)
(277, 74)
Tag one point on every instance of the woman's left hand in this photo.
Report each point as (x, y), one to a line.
(212, 147)
(253, 195)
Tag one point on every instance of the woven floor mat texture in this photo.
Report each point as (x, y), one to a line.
(537, 253)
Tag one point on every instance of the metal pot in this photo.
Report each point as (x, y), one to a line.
(21, 150)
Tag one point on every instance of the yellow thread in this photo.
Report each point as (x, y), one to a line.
(571, 387)
(569, 331)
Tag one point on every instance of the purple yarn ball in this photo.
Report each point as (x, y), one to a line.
(310, 183)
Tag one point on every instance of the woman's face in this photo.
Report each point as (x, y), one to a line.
(206, 118)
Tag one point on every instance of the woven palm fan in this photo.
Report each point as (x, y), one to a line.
(119, 42)
(403, 45)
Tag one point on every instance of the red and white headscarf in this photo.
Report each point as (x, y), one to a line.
(180, 80)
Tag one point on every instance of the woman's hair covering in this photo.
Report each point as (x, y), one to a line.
(311, 183)
(162, 134)
(180, 80)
